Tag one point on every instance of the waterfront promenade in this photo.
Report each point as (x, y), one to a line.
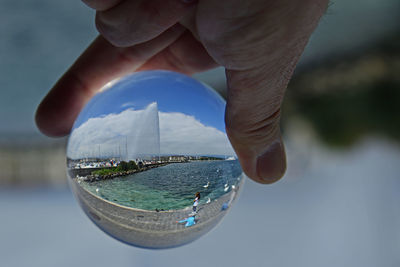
(152, 229)
(29, 162)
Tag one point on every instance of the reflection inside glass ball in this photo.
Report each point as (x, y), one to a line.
(149, 160)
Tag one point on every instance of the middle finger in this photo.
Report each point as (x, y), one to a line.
(138, 21)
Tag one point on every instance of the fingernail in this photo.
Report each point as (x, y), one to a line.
(271, 165)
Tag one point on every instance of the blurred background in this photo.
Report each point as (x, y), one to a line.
(338, 204)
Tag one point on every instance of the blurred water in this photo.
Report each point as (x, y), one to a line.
(342, 211)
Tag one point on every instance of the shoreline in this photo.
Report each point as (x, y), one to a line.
(97, 177)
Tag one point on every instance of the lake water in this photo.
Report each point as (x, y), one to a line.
(170, 187)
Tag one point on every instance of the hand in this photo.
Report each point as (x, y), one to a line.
(257, 41)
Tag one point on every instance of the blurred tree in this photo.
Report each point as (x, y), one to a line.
(348, 98)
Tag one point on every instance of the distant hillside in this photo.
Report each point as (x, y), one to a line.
(350, 97)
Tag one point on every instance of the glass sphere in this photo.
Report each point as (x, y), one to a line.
(149, 160)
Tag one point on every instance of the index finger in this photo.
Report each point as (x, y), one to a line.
(99, 64)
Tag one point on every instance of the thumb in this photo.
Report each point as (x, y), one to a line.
(252, 123)
(259, 44)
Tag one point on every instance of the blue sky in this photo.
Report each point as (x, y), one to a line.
(173, 92)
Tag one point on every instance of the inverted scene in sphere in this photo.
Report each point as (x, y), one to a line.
(149, 160)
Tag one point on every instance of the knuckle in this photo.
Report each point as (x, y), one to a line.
(159, 14)
(151, 9)
(116, 35)
(253, 131)
(101, 26)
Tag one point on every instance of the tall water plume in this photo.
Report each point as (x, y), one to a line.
(143, 141)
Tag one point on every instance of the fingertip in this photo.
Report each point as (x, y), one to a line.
(262, 158)
(266, 167)
(43, 120)
(271, 164)
(40, 121)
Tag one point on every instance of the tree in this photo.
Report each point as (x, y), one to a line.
(132, 165)
(123, 166)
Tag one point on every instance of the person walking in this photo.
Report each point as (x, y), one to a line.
(196, 202)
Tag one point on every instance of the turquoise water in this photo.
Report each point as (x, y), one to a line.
(170, 187)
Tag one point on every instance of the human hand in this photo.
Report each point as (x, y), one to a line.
(257, 41)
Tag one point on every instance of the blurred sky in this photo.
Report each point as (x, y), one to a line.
(40, 39)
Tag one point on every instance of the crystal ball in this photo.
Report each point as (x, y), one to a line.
(149, 161)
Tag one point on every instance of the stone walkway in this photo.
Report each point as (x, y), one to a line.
(150, 228)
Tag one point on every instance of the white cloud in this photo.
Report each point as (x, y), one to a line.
(179, 134)
(183, 134)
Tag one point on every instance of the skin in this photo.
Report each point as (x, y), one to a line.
(259, 43)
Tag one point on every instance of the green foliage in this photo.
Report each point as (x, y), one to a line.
(340, 119)
(122, 166)
(104, 171)
(132, 165)
(348, 98)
